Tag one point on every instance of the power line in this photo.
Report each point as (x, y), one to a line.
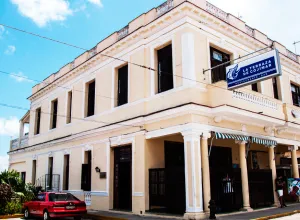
(64, 116)
(139, 65)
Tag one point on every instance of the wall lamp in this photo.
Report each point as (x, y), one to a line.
(97, 169)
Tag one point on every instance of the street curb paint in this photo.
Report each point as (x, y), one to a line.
(279, 215)
(11, 216)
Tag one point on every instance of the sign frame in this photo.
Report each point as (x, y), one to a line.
(253, 70)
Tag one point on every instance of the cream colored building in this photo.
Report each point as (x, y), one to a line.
(164, 137)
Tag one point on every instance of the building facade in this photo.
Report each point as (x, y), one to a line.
(142, 123)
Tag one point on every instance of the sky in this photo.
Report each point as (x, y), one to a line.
(86, 22)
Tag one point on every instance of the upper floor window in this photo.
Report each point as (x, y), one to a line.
(69, 107)
(275, 88)
(295, 94)
(53, 122)
(254, 87)
(218, 57)
(90, 104)
(122, 85)
(37, 121)
(165, 69)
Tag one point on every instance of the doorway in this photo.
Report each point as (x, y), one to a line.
(122, 178)
(175, 177)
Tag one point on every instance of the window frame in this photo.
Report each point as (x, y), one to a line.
(86, 97)
(115, 85)
(52, 115)
(37, 123)
(297, 88)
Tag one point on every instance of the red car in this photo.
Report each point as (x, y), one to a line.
(54, 205)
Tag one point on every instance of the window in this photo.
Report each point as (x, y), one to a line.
(295, 94)
(37, 120)
(254, 87)
(86, 172)
(122, 85)
(66, 172)
(53, 122)
(50, 173)
(23, 176)
(69, 108)
(41, 197)
(165, 69)
(218, 57)
(33, 172)
(90, 106)
(275, 88)
(60, 197)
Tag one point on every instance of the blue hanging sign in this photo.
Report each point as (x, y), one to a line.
(254, 69)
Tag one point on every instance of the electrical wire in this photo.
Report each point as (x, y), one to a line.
(64, 116)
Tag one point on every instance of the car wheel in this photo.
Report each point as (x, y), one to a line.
(46, 215)
(26, 213)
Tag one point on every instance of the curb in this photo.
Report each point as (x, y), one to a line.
(103, 217)
(278, 215)
(11, 216)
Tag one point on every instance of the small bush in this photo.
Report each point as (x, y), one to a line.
(12, 207)
(5, 193)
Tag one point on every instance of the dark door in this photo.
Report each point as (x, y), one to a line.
(123, 85)
(224, 181)
(50, 173)
(122, 178)
(175, 177)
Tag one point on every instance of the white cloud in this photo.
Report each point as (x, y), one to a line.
(44, 11)
(11, 49)
(96, 2)
(9, 127)
(20, 77)
(2, 29)
(3, 163)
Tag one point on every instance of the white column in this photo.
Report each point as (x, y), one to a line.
(294, 161)
(205, 170)
(193, 175)
(244, 175)
(272, 164)
(188, 59)
(21, 131)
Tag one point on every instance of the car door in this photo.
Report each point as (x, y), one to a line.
(30, 205)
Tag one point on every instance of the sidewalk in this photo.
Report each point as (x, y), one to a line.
(105, 215)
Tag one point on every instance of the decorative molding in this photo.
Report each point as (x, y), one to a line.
(34, 157)
(293, 148)
(67, 151)
(218, 119)
(50, 154)
(244, 128)
(88, 147)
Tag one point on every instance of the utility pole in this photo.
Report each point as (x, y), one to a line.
(296, 46)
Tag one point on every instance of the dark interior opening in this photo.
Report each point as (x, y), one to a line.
(54, 113)
(23, 176)
(254, 87)
(69, 117)
(33, 172)
(275, 88)
(91, 99)
(123, 85)
(218, 57)
(66, 173)
(38, 120)
(50, 172)
(122, 178)
(165, 68)
(295, 94)
(86, 172)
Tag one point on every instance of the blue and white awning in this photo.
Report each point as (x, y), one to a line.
(231, 136)
(264, 141)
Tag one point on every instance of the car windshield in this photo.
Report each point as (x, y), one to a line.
(54, 197)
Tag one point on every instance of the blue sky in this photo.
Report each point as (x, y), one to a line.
(86, 22)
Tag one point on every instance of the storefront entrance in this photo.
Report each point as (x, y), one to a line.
(225, 181)
(122, 178)
(167, 185)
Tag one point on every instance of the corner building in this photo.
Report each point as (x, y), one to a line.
(169, 138)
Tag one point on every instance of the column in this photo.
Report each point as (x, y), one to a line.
(138, 175)
(272, 164)
(244, 175)
(193, 175)
(295, 161)
(21, 131)
(205, 170)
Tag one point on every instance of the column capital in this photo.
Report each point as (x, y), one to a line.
(272, 146)
(292, 148)
(206, 134)
(240, 142)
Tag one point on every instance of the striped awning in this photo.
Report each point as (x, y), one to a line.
(264, 141)
(231, 136)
